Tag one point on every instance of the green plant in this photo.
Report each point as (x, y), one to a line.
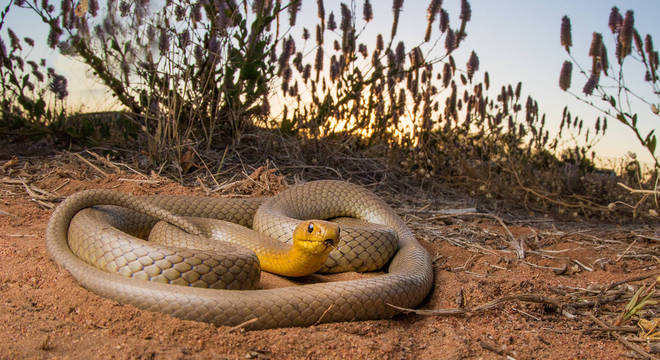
(640, 300)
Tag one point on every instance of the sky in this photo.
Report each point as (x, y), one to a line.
(516, 40)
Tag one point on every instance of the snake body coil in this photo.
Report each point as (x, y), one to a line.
(406, 284)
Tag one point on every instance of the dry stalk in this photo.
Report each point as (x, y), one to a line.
(645, 195)
(628, 280)
(585, 267)
(9, 163)
(323, 315)
(63, 184)
(241, 325)
(207, 168)
(2, 212)
(515, 243)
(91, 165)
(467, 245)
(468, 263)
(653, 238)
(589, 204)
(105, 161)
(623, 340)
(559, 306)
(627, 329)
(490, 346)
(534, 298)
(620, 256)
(11, 181)
(560, 270)
(140, 181)
(526, 314)
(133, 170)
(639, 191)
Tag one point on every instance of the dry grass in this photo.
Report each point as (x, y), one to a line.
(198, 108)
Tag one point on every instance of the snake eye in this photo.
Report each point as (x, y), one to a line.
(310, 228)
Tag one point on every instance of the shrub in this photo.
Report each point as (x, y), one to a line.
(617, 98)
(24, 83)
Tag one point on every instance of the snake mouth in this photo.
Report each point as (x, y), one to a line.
(326, 242)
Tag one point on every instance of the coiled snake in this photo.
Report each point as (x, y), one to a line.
(97, 238)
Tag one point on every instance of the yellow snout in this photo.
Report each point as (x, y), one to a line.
(316, 236)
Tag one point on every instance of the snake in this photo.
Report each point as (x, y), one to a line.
(119, 261)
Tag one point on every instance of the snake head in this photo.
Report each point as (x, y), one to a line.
(316, 236)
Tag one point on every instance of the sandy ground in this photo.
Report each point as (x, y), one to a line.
(45, 314)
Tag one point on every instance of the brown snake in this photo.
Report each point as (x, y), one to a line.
(406, 284)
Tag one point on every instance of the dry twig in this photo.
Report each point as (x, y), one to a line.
(496, 349)
(624, 281)
(515, 243)
(638, 191)
(89, 163)
(105, 161)
(623, 340)
(7, 213)
(241, 325)
(323, 315)
(646, 236)
(534, 298)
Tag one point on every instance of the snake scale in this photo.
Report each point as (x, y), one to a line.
(407, 282)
